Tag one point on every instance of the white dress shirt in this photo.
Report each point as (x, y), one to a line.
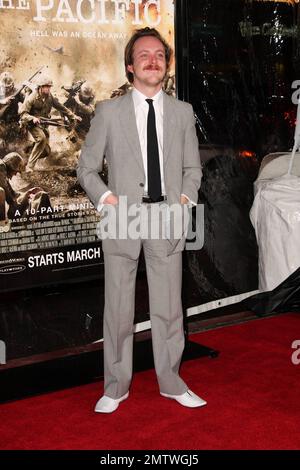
(141, 108)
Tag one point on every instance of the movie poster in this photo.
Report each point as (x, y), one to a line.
(73, 48)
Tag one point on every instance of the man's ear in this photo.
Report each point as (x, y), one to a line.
(130, 68)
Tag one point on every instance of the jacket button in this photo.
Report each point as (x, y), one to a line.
(142, 185)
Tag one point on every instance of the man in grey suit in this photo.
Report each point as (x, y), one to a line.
(149, 141)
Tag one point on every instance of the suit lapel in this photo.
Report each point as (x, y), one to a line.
(169, 125)
(128, 124)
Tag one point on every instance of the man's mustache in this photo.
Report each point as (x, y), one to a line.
(152, 67)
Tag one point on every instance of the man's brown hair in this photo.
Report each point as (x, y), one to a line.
(140, 33)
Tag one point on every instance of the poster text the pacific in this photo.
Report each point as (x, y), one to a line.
(89, 11)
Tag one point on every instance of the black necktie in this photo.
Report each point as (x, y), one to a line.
(153, 167)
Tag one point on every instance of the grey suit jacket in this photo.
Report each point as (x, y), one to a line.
(114, 134)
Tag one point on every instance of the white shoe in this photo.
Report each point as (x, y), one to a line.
(189, 399)
(108, 405)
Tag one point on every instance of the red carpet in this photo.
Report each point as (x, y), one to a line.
(252, 391)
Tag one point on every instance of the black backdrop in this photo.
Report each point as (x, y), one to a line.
(237, 64)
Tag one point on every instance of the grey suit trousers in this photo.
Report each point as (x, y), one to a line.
(164, 274)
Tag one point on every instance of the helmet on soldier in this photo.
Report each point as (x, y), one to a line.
(44, 81)
(87, 91)
(14, 162)
(7, 80)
